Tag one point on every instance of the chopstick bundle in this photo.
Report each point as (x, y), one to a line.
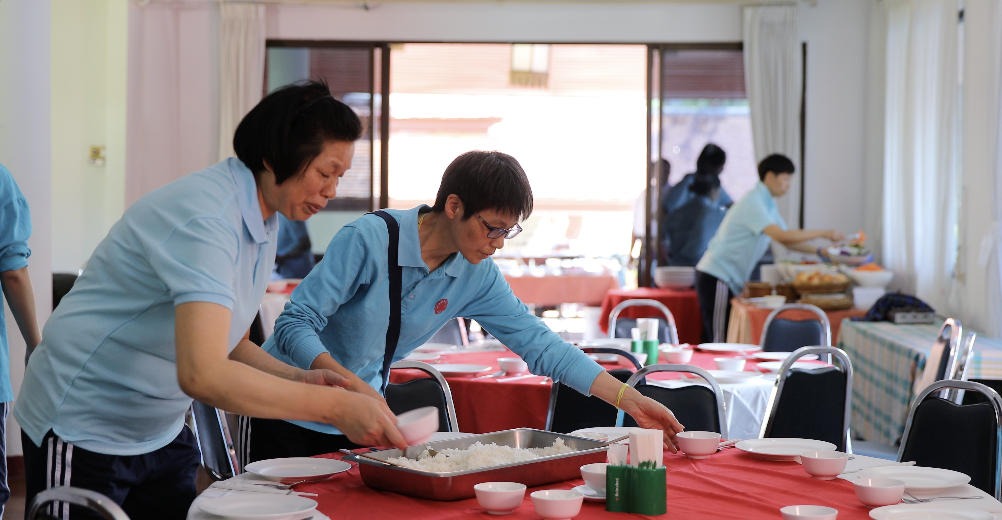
(646, 448)
(617, 480)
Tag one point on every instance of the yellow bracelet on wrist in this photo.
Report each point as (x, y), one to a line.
(622, 390)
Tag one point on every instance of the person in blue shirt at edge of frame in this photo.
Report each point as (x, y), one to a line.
(741, 240)
(294, 258)
(338, 316)
(161, 315)
(15, 228)
(693, 224)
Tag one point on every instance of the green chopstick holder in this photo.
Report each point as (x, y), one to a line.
(617, 489)
(651, 348)
(648, 491)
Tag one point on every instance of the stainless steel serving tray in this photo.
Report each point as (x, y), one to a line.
(459, 484)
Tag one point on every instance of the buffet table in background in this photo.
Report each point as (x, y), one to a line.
(886, 360)
(683, 305)
(552, 290)
(747, 320)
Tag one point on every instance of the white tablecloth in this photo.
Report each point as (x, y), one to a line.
(271, 306)
(745, 404)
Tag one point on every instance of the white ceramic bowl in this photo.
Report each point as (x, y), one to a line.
(808, 513)
(680, 356)
(641, 357)
(557, 504)
(871, 278)
(513, 365)
(594, 476)
(824, 465)
(417, 425)
(877, 492)
(773, 301)
(698, 445)
(499, 498)
(730, 363)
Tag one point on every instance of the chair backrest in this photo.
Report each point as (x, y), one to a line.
(942, 362)
(417, 393)
(614, 315)
(45, 504)
(811, 404)
(697, 407)
(965, 438)
(571, 410)
(219, 457)
(783, 335)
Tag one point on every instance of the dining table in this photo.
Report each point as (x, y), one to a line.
(728, 485)
(748, 319)
(887, 358)
(683, 305)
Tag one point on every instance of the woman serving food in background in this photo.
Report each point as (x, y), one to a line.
(339, 315)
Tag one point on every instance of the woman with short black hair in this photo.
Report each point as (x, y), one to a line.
(338, 317)
(161, 314)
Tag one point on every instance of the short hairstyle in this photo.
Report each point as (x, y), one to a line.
(775, 163)
(486, 180)
(288, 128)
(711, 159)
(704, 184)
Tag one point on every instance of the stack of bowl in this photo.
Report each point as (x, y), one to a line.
(672, 277)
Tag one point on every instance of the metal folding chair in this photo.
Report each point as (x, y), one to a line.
(416, 393)
(570, 410)
(672, 329)
(783, 335)
(212, 431)
(695, 406)
(67, 495)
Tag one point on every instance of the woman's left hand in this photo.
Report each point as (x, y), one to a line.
(324, 377)
(651, 414)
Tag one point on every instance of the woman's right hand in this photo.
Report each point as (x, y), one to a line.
(366, 421)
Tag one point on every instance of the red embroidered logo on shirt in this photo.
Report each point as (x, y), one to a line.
(441, 305)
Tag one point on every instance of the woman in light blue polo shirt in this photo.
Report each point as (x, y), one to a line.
(161, 313)
(339, 315)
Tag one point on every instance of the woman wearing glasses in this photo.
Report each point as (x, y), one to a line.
(340, 315)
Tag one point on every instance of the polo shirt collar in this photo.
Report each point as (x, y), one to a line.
(250, 207)
(765, 194)
(410, 245)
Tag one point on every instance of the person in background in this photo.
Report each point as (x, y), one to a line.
(740, 241)
(162, 312)
(338, 318)
(694, 223)
(294, 258)
(710, 162)
(15, 228)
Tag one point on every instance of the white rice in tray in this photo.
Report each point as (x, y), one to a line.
(478, 456)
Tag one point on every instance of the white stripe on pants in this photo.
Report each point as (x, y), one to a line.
(59, 463)
(720, 317)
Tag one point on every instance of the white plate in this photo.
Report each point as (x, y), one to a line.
(589, 494)
(918, 478)
(449, 369)
(779, 356)
(422, 356)
(613, 432)
(782, 449)
(928, 512)
(250, 506)
(727, 377)
(436, 347)
(604, 358)
(296, 469)
(774, 366)
(620, 343)
(728, 347)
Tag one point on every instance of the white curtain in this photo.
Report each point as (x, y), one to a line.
(991, 245)
(921, 147)
(774, 85)
(241, 67)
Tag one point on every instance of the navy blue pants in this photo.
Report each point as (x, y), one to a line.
(155, 485)
(714, 307)
(4, 487)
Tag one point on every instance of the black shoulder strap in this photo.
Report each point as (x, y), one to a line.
(396, 288)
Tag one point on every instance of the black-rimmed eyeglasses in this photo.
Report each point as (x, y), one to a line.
(497, 232)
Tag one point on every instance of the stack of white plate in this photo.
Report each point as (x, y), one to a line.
(674, 277)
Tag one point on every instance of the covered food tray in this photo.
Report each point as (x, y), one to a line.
(459, 484)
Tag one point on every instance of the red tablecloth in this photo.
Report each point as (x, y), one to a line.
(683, 305)
(487, 405)
(554, 290)
(728, 485)
(756, 316)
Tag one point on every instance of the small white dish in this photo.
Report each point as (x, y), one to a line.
(251, 506)
(824, 464)
(418, 425)
(499, 498)
(557, 504)
(604, 358)
(594, 476)
(513, 365)
(728, 363)
(453, 369)
(808, 513)
(698, 445)
(297, 469)
(928, 512)
(782, 449)
(590, 494)
(918, 478)
(877, 492)
(728, 347)
(425, 357)
(679, 356)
